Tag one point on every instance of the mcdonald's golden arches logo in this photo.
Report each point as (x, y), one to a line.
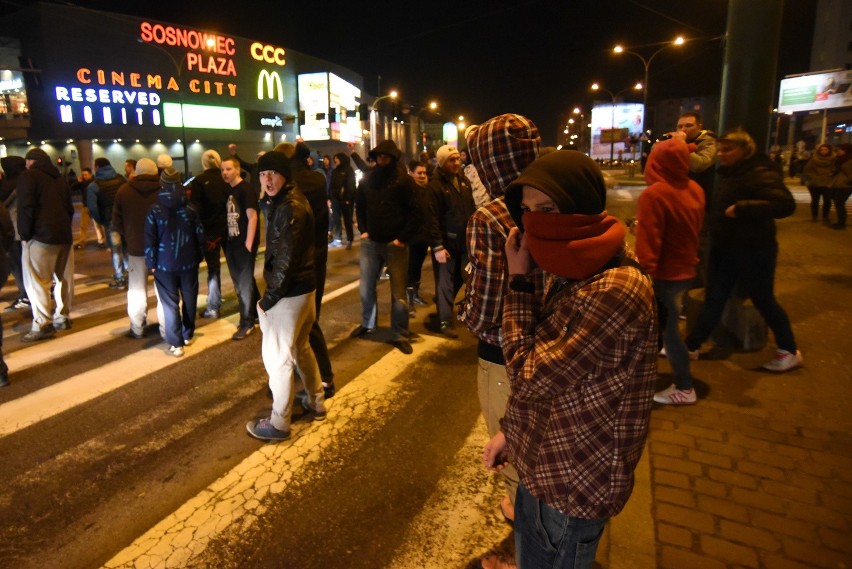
(268, 84)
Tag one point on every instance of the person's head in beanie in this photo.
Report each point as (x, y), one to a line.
(164, 161)
(170, 179)
(210, 159)
(449, 159)
(559, 204)
(36, 156)
(146, 167)
(274, 171)
(501, 148)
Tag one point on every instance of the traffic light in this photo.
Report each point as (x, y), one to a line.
(60, 161)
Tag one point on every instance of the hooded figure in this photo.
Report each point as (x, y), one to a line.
(819, 174)
(342, 189)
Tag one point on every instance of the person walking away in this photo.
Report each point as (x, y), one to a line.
(12, 167)
(669, 216)
(44, 223)
(751, 195)
(100, 197)
(287, 309)
(208, 194)
(174, 248)
(841, 186)
(500, 149)
(132, 202)
(450, 207)
(582, 362)
(243, 241)
(818, 172)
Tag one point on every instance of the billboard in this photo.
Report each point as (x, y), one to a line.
(330, 107)
(613, 127)
(816, 91)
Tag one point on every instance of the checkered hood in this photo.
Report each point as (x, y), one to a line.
(501, 148)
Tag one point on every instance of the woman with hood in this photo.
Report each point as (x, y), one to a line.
(174, 247)
(669, 213)
(819, 172)
(841, 186)
(342, 189)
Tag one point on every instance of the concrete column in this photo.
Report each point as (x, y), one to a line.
(85, 154)
(751, 60)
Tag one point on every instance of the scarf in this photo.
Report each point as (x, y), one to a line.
(572, 246)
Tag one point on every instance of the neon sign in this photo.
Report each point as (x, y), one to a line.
(267, 53)
(185, 37)
(272, 81)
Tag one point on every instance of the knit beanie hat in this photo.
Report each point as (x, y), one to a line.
(444, 153)
(569, 178)
(501, 148)
(145, 166)
(275, 161)
(36, 154)
(210, 159)
(169, 178)
(164, 161)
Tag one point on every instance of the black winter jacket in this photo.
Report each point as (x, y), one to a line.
(756, 186)
(288, 265)
(208, 195)
(385, 205)
(342, 186)
(44, 204)
(449, 211)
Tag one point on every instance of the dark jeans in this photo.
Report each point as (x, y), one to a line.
(173, 287)
(417, 251)
(241, 266)
(346, 215)
(214, 278)
(817, 193)
(449, 283)
(754, 270)
(334, 219)
(316, 338)
(374, 256)
(839, 197)
(546, 538)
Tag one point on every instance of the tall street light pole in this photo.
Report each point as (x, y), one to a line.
(596, 87)
(374, 115)
(647, 64)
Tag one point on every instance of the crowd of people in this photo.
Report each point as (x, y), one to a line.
(569, 320)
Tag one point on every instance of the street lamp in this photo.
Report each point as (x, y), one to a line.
(596, 87)
(678, 41)
(374, 115)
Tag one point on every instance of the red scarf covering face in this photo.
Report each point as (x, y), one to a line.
(572, 246)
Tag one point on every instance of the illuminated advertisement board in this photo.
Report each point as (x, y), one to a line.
(344, 98)
(313, 101)
(330, 107)
(113, 75)
(450, 131)
(816, 91)
(609, 131)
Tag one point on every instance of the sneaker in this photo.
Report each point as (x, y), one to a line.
(447, 330)
(37, 335)
(4, 379)
(674, 396)
(176, 351)
(328, 388)
(662, 353)
(403, 346)
(784, 361)
(189, 341)
(134, 335)
(360, 331)
(79, 246)
(264, 430)
(384, 276)
(62, 324)
(242, 332)
(118, 284)
(317, 414)
(18, 304)
(210, 313)
(418, 300)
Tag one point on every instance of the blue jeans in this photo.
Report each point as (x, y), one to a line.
(668, 294)
(119, 254)
(374, 256)
(178, 292)
(754, 270)
(214, 278)
(241, 266)
(548, 539)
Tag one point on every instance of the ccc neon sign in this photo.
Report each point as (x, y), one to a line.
(267, 53)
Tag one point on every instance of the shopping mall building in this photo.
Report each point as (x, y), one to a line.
(83, 84)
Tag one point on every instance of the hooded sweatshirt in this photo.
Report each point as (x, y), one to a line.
(174, 239)
(100, 194)
(342, 185)
(132, 203)
(44, 202)
(670, 212)
(819, 170)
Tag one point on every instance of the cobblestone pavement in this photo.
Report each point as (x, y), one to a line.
(759, 472)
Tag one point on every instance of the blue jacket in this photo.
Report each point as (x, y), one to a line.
(174, 238)
(100, 194)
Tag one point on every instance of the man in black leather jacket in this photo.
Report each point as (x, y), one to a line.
(286, 311)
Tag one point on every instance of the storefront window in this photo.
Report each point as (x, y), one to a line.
(13, 95)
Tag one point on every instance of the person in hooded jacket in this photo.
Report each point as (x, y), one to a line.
(12, 167)
(841, 186)
(208, 194)
(342, 189)
(7, 237)
(670, 213)
(750, 196)
(581, 362)
(388, 218)
(100, 198)
(819, 173)
(174, 248)
(45, 212)
(132, 203)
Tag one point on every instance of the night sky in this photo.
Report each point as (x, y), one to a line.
(480, 58)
